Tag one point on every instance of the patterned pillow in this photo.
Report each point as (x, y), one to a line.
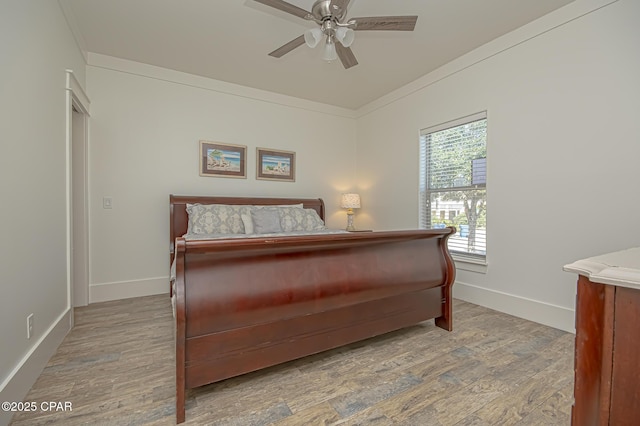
(215, 218)
(300, 220)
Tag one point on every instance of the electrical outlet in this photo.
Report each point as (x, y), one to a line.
(29, 326)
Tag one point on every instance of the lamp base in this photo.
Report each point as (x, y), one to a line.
(350, 226)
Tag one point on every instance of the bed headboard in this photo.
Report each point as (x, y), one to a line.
(178, 208)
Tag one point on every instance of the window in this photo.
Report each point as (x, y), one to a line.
(453, 176)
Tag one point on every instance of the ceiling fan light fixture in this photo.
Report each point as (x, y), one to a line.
(329, 53)
(312, 37)
(330, 15)
(345, 36)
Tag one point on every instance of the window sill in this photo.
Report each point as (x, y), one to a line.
(470, 264)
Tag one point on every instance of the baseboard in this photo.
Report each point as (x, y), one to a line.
(126, 289)
(521, 307)
(22, 378)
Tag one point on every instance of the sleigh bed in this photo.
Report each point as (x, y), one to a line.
(243, 302)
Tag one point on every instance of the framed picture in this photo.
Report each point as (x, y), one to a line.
(223, 160)
(276, 165)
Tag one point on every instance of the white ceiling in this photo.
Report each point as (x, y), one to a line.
(229, 40)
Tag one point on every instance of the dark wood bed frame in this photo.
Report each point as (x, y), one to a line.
(246, 304)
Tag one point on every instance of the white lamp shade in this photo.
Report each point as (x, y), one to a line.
(330, 53)
(350, 201)
(345, 36)
(312, 37)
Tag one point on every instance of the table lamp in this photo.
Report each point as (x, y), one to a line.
(350, 201)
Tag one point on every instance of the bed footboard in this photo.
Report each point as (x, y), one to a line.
(243, 305)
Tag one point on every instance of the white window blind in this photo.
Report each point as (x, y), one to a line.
(453, 180)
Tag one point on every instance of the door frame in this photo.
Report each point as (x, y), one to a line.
(77, 100)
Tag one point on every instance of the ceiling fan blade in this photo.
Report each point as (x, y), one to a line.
(285, 7)
(391, 23)
(298, 41)
(346, 56)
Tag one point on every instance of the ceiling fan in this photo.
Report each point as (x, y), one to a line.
(337, 32)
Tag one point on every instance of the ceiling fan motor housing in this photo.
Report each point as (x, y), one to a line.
(323, 10)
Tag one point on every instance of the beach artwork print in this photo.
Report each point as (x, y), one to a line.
(275, 165)
(222, 160)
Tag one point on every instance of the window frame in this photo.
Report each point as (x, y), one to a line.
(476, 260)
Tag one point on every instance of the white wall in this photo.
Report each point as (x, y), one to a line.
(562, 96)
(145, 126)
(36, 47)
(563, 101)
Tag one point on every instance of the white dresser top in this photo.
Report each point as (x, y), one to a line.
(621, 268)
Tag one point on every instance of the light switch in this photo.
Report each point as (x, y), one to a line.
(107, 202)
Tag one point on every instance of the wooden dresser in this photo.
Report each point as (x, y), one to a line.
(607, 352)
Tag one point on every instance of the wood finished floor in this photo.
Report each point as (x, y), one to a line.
(116, 367)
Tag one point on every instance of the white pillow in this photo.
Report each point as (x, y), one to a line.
(247, 222)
